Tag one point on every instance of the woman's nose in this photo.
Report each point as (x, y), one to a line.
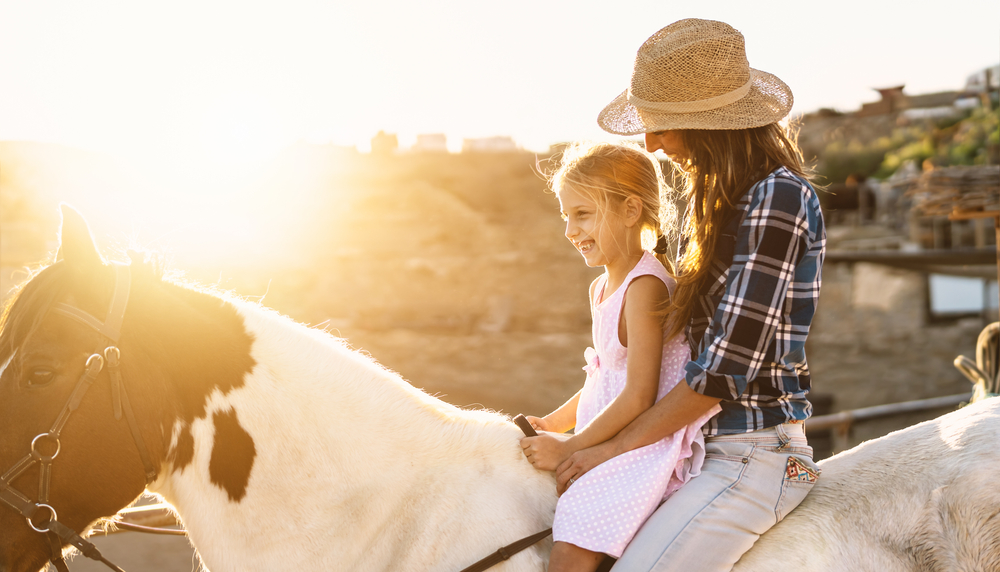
(652, 141)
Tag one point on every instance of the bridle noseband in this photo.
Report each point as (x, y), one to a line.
(55, 531)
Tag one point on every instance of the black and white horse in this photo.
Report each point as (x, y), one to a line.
(283, 449)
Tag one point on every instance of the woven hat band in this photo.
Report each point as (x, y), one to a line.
(691, 106)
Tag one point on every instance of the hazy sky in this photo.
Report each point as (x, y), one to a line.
(246, 78)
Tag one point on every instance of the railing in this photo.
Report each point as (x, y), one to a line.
(841, 422)
(154, 515)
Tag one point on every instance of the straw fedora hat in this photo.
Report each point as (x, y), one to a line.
(694, 74)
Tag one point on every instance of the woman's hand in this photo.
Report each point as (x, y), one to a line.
(548, 450)
(579, 463)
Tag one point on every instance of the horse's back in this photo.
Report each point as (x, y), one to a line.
(923, 498)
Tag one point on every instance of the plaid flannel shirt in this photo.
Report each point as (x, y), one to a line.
(755, 307)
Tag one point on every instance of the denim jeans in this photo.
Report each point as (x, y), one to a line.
(747, 484)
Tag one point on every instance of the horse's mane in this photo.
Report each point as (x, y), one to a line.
(31, 300)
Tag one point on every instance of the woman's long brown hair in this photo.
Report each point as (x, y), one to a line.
(722, 165)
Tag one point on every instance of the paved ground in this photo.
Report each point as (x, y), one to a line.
(136, 552)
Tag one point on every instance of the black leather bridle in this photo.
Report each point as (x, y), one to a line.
(45, 447)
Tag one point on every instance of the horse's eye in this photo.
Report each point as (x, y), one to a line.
(40, 377)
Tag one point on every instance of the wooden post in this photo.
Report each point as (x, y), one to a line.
(842, 437)
(985, 96)
(979, 226)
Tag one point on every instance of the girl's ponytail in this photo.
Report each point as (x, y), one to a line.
(661, 252)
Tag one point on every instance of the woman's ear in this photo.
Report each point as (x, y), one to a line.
(632, 210)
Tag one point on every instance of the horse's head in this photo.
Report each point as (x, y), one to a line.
(45, 355)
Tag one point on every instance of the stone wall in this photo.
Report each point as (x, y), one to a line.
(873, 343)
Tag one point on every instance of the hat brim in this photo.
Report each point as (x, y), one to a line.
(768, 101)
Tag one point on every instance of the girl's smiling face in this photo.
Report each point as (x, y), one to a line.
(599, 234)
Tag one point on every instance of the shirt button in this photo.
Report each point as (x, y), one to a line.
(745, 460)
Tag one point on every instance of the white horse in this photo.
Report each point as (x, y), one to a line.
(923, 499)
(283, 449)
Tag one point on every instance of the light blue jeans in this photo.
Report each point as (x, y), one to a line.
(747, 484)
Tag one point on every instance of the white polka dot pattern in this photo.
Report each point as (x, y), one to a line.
(604, 508)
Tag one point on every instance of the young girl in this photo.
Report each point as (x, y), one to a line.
(610, 198)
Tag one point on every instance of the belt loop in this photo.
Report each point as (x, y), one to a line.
(783, 437)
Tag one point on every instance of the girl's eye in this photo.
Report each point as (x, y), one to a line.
(40, 377)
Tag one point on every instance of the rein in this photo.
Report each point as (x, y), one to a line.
(45, 447)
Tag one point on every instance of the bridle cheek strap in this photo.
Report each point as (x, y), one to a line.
(111, 329)
(112, 325)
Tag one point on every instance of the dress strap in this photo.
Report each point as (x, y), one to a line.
(649, 266)
(599, 288)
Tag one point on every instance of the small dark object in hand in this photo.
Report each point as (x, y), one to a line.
(522, 422)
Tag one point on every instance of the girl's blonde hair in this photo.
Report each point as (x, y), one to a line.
(722, 165)
(608, 173)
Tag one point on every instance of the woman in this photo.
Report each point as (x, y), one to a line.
(748, 279)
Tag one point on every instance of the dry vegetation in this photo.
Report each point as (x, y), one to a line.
(450, 269)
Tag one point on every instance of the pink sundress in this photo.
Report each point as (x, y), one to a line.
(605, 507)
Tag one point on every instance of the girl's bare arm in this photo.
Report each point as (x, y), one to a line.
(559, 421)
(644, 339)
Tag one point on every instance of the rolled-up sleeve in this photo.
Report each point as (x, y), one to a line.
(772, 239)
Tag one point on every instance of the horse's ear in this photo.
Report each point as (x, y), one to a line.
(76, 245)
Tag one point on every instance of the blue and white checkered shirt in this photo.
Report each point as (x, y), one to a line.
(756, 305)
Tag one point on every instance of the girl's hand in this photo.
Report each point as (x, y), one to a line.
(547, 451)
(539, 423)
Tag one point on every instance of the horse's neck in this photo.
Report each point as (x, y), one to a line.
(323, 386)
(334, 440)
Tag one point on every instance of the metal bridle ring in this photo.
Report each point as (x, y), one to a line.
(38, 455)
(51, 519)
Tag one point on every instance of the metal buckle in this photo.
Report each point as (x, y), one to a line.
(51, 519)
(112, 355)
(96, 357)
